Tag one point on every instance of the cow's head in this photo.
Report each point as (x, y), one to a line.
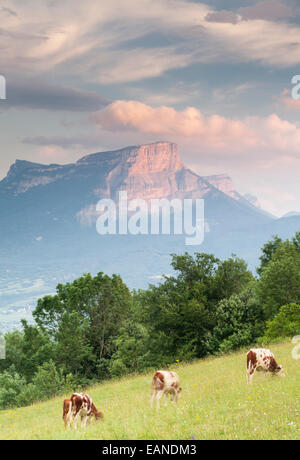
(279, 371)
(99, 415)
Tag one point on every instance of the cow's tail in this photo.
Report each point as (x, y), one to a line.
(69, 414)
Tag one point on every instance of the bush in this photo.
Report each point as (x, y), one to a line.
(11, 385)
(118, 368)
(27, 396)
(285, 324)
(47, 381)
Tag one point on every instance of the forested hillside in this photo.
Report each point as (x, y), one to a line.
(94, 328)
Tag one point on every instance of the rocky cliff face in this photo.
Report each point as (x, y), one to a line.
(146, 171)
(223, 183)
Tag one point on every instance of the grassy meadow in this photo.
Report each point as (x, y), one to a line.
(216, 403)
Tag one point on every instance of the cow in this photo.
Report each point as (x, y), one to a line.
(165, 383)
(261, 359)
(80, 405)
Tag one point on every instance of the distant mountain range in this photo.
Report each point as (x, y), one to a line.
(48, 213)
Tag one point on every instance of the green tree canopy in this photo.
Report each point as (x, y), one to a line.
(285, 324)
(279, 283)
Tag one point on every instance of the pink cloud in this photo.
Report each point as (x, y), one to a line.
(288, 102)
(214, 133)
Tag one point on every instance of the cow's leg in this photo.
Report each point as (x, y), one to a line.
(250, 374)
(75, 418)
(158, 396)
(66, 420)
(84, 421)
(152, 397)
(166, 399)
(69, 418)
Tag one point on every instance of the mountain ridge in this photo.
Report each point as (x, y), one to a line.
(148, 171)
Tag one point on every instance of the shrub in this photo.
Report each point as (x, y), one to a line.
(47, 381)
(285, 324)
(11, 385)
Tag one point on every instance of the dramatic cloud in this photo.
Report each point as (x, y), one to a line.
(106, 42)
(198, 72)
(214, 132)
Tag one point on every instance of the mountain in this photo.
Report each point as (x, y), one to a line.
(48, 233)
(147, 171)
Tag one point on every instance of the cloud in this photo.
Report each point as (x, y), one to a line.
(272, 198)
(105, 42)
(55, 154)
(61, 141)
(8, 11)
(266, 9)
(215, 133)
(34, 93)
(288, 102)
(222, 16)
(140, 63)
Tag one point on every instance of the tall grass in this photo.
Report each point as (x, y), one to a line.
(216, 403)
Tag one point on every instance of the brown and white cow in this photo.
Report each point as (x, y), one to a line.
(79, 405)
(261, 359)
(165, 383)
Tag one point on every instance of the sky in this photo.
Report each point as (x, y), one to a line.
(214, 77)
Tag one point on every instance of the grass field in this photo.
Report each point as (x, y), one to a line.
(216, 403)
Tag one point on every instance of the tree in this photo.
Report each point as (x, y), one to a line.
(13, 351)
(37, 347)
(239, 321)
(279, 283)
(47, 381)
(180, 313)
(267, 252)
(11, 385)
(232, 277)
(110, 307)
(73, 351)
(92, 310)
(285, 324)
(132, 352)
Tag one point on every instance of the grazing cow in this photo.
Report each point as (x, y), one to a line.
(165, 382)
(80, 405)
(261, 359)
